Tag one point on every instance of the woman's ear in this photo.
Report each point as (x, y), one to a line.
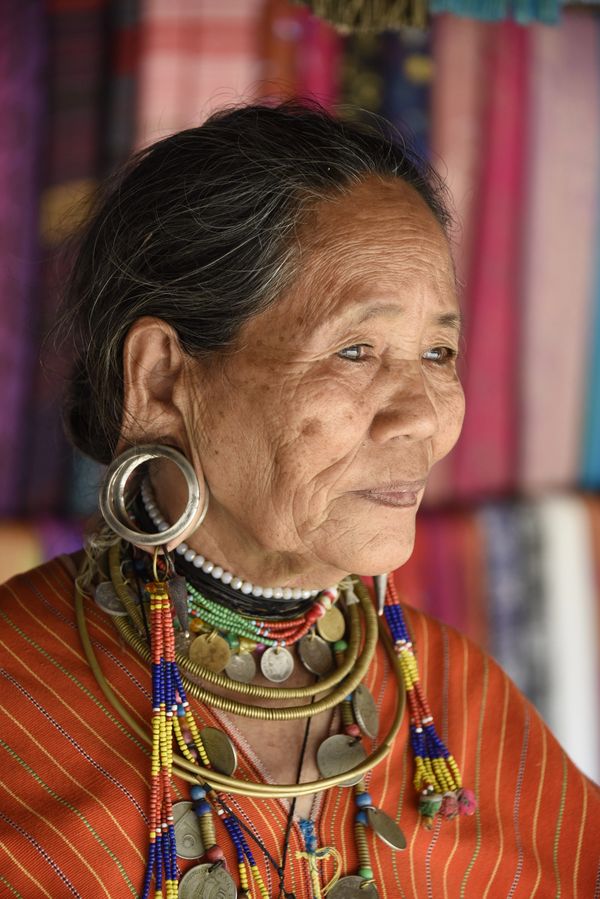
(153, 362)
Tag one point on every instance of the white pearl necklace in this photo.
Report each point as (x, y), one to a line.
(216, 571)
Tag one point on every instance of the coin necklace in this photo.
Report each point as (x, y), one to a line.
(159, 601)
(336, 754)
(343, 681)
(213, 853)
(268, 642)
(250, 638)
(437, 777)
(192, 772)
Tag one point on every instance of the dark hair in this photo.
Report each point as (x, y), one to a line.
(198, 229)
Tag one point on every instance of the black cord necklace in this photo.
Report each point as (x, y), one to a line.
(279, 868)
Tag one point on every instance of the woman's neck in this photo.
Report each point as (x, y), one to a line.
(221, 541)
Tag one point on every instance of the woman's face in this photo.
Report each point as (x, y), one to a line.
(344, 388)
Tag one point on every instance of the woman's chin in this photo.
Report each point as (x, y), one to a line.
(367, 561)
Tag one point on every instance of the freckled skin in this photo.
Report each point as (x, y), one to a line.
(284, 428)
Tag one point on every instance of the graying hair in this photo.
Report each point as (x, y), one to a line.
(198, 229)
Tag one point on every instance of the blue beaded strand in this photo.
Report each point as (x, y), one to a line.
(437, 777)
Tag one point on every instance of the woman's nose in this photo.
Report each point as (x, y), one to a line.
(408, 412)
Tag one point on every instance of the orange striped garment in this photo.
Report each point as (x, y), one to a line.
(74, 783)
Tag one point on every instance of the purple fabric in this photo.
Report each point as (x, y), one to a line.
(21, 113)
(72, 156)
(58, 537)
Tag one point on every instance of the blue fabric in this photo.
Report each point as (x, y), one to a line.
(590, 449)
(522, 11)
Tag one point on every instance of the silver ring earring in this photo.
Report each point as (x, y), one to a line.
(113, 504)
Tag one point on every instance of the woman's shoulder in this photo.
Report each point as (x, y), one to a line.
(37, 617)
(41, 588)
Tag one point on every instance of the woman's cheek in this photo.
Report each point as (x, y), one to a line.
(451, 413)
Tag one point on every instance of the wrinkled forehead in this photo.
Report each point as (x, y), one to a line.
(380, 239)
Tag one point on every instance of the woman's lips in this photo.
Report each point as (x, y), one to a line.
(395, 495)
(404, 498)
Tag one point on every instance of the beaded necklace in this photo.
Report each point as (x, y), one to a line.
(437, 779)
(169, 697)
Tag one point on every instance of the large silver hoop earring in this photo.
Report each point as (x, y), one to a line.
(113, 504)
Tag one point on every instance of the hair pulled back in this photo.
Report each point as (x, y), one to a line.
(198, 229)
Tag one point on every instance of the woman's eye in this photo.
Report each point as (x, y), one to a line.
(439, 355)
(355, 353)
(450, 355)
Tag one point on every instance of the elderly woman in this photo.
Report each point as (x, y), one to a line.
(204, 701)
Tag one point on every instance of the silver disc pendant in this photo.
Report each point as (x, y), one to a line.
(220, 750)
(365, 711)
(386, 828)
(188, 840)
(179, 809)
(277, 663)
(338, 754)
(207, 882)
(351, 888)
(315, 654)
(106, 597)
(241, 667)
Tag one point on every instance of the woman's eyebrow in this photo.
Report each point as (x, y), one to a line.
(454, 320)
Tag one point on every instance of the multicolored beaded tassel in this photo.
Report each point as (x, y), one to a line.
(169, 705)
(162, 857)
(437, 778)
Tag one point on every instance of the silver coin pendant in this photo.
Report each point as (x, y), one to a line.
(386, 828)
(241, 667)
(338, 754)
(207, 881)
(106, 597)
(315, 654)
(277, 663)
(351, 888)
(188, 840)
(220, 750)
(365, 711)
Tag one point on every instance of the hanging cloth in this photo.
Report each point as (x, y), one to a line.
(457, 101)
(522, 11)
(407, 72)
(195, 58)
(571, 628)
(529, 541)
(21, 108)
(486, 455)
(318, 58)
(590, 449)
(279, 36)
(508, 601)
(560, 265)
